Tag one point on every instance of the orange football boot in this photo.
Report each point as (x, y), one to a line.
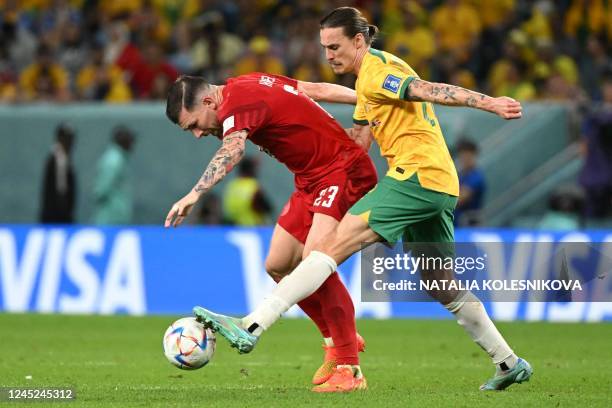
(342, 380)
(329, 362)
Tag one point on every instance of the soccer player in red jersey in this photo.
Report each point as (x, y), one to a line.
(331, 173)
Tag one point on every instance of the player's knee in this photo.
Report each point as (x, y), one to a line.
(276, 270)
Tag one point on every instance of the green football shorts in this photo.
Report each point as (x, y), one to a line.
(395, 209)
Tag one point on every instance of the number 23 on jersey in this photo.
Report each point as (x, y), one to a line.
(326, 197)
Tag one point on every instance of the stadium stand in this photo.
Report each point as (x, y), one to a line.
(554, 53)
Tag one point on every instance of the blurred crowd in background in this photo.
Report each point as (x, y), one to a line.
(118, 51)
(131, 50)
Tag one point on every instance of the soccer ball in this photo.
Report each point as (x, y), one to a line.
(188, 345)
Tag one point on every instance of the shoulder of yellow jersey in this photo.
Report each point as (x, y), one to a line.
(385, 60)
(383, 72)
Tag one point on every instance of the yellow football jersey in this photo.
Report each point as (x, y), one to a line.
(408, 133)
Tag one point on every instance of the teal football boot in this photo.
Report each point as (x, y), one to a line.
(229, 327)
(521, 372)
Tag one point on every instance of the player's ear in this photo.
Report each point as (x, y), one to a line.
(359, 40)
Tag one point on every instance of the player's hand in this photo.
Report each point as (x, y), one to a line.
(507, 108)
(181, 209)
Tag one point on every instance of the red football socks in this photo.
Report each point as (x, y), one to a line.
(339, 313)
(331, 309)
(312, 307)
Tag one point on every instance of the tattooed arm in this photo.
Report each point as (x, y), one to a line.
(451, 95)
(228, 155)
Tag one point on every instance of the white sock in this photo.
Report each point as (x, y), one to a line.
(268, 311)
(329, 342)
(473, 317)
(305, 279)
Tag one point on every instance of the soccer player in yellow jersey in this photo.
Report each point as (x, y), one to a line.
(414, 200)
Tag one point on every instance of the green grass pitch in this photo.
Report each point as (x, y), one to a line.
(118, 361)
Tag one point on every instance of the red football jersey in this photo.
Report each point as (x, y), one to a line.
(286, 124)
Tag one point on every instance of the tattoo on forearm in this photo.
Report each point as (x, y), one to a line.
(443, 94)
(414, 89)
(449, 92)
(222, 163)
